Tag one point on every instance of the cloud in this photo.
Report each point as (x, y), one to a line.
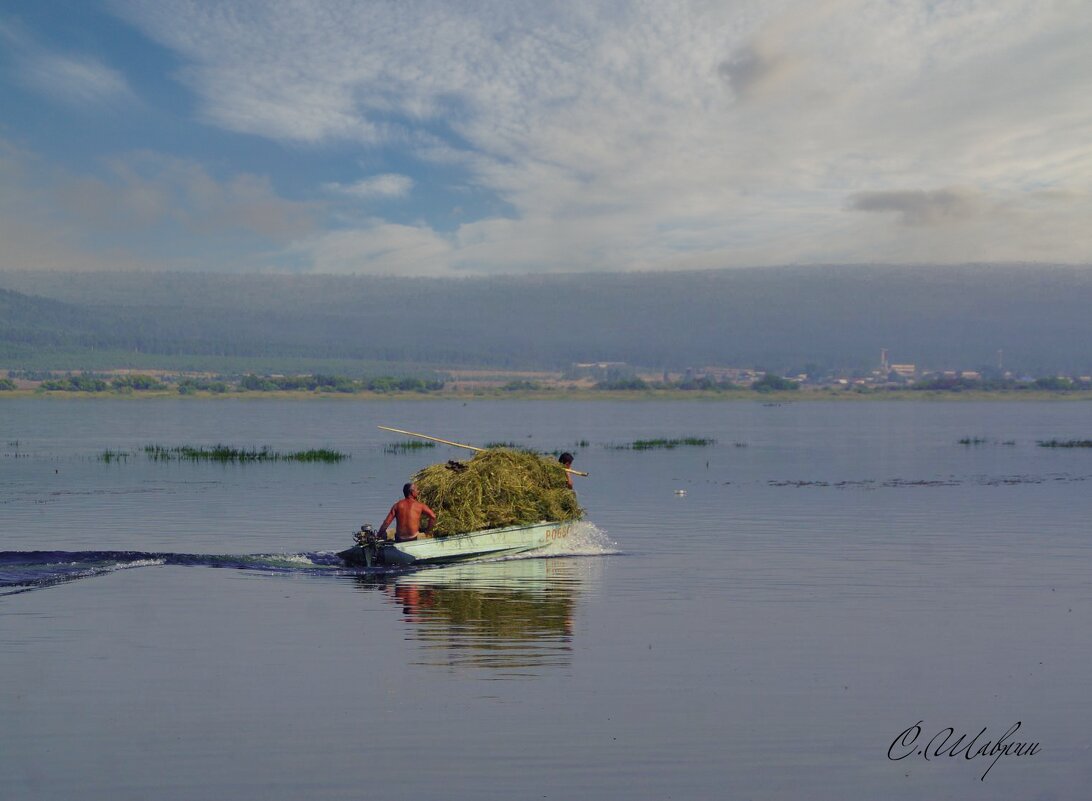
(751, 72)
(623, 136)
(145, 190)
(71, 79)
(921, 207)
(78, 81)
(380, 248)
(960, 224)
(781, 57)
(381, 186)
(1048, 226)
(141, 210)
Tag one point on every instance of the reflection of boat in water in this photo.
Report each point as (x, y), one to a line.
(371, 550)
(510, 616)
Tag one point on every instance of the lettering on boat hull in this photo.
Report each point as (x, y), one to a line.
(558, 533)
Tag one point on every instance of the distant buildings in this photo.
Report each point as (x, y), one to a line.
(737, 375)
(600, 371)
(892, 375)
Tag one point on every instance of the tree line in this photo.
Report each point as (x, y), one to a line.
(89, 382)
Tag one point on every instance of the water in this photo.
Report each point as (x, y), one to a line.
(830, 575)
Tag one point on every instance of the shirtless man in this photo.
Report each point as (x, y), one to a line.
(566, 460)
(408, 513)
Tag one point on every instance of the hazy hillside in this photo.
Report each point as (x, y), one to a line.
(778, 318)
(36, 321)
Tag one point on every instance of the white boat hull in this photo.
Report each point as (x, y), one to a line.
(487, 544)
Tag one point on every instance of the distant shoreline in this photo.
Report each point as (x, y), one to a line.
(731, 396)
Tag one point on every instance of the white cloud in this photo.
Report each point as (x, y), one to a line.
(649, 135)
(378, 186)
(75, 80)
(71, 79)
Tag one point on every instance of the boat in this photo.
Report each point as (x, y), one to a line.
(371, 550)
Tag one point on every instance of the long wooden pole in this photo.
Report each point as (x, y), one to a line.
(459, 445)
(433, 439)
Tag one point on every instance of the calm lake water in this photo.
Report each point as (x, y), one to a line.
(830, 576)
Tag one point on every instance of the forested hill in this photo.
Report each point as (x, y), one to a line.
(49, 323)
(777, 318)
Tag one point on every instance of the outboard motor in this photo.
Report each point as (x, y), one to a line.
(369, 543)
(366, 535)
(366, 550)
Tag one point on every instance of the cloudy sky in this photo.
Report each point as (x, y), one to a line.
(448, 138)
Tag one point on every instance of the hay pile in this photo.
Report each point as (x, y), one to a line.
(498, 487)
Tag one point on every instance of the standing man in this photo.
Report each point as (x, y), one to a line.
(566, 460)
(408, 513)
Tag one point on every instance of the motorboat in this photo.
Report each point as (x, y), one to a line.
(371, 550)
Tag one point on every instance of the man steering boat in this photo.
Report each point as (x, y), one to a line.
(408, 512)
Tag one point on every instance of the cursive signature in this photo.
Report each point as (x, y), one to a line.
(906, 744)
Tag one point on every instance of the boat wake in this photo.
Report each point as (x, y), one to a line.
(27, 570)
(22, 571)
(586, 539)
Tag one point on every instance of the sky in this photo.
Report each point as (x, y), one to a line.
(479, 138)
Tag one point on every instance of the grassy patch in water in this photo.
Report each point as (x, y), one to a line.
(227, 453)
(1065, 443)
(407, 446)
(654, 444)
(512, 446)
(108, 456)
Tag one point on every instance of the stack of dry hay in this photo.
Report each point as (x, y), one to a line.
(498, 487)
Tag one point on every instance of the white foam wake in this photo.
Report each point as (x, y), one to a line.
(139, 563)
(585, 539)
(290, 559)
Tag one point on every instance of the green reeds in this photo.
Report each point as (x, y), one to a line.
(973, 441)
(1065, 443)
(228, 454)
(317, 455)
(407, 446)
(655, 444)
